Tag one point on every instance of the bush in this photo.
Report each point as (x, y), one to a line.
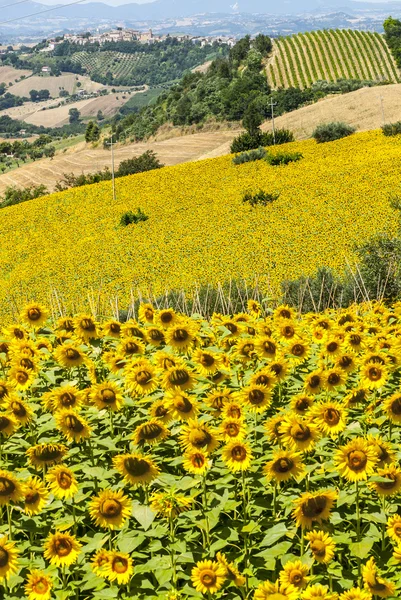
(14, 195)
(246, 141)
(392, 129)
(282, 136)
(283, 158)
(249, 156)
(328, 132)
(145, 162)
(129, 217)
(261, 198)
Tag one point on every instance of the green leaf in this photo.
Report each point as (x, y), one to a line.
(144, 515)
(361, 549)
(128, 544)
(274, 534)
(276, 550)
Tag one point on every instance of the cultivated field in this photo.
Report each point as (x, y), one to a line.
(66, 81)
(329, 55)
(9, 74)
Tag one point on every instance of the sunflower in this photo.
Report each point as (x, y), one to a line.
(165, 318)
(118, 568)
(46, 455)
(237, 456)
(266, 347)
(34, 315)
(232, 429)
(11, 489)
(254, 307)
(72, 425)
(295, 574)
(333, 378)
(394, 528)
(208, 576)
(286, 330)
(19, 348)
(182, 407)
(63, 483)
(264, 377)
(375, 584)
(373, 375)
(233, 410)
(17, 332)
(392, 485)
(136, 469)
(392, 407)
(169, 504)
(346, 362)
(384, 450)
(207, 362)
(150, 432)
(196, 435)
(298, 351)
(69, 355)
(180, 376)
(196, 462)
(275, 591)
(182, 335)
(165, 360)
(25, 362)
(273, 428)
(115, 362)
(5, 390)
(21, 378)
(397, 554)
(356, 460)
(318, 592)
(146, 312)
(64, 397)
(218, 399)
(161, 411)
(110, 509)
(301, 404)
(35, 496)
(38, 586)
(112, 329)
(132, 329)
(107, 395)
(279, 367)
(86, 327)
(155, 336)
(99, 561)
(65, 324)
(355, 594)
(298, 434)
(130, 347)
(331, 347)
(8, 424)
(244, 350)
(8, 558)
(322, 546)
(256, 397)
(232, 572)
(20, 410)
(61, 549)
(313, 508)
(356, 395)
(284, 465)
(141, 379)
(314, 382)
(330, 417)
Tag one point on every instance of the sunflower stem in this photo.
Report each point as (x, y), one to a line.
(111, 423)
(245, 519)
(172, 551)
(9, 515)
(302, 542)
(74, 516)
(275, 500)
(384, 525)
(358, 515)
(205, 515)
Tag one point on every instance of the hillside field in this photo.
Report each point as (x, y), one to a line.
(66, 81)
(198, 229)
(328, 55)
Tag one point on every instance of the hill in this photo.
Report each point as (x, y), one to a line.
(301, 60)
(67, 81)
(198, 227)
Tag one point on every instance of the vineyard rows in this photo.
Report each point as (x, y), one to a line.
(330, 55)
(118, 64)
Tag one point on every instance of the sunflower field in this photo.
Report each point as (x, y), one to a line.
(199, 230)
(252, 456)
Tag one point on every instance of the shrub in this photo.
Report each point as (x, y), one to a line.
(246, 141)
(129, 217)
(282, 136)
(145, 162)
(392, 129)
(283, 158)
(261, 198)
(249, 156)
(14, 195)
(328, 132)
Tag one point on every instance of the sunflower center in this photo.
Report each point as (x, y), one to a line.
(183, 405)
(345, 361)
(40, 587)
(34, 314)
(32, 497)
(247, 349)
(238, 453)
(135, 332)
(300, 432)
(357, 460)
(378, 587)
(108, 396)
(22, 377)
(334, 379)
(332, 416)
(298, 350)
(313, 507)
(302, 404)
(296, 577)
(180, 335)
(232, 429)
(199, 438)
(72, 354)
(143, 377)
(63, 547)
(288, 331)
(18, 333)
(64, 480)
(74, 424)
(7, 487)
(131, 348)
(120, 564)
(231, 327)
(269, 347)
(179, 377)
(48, 453)
(26, 363)
(110, 508)
(115, 327)
(318, 548)
(166, 317)
(3, 557)
(150, 431)
(388, 485)
(87, 325)
(374, 373)
(198, 461)
(256, 397)
(276, 368)
(397, 530)
(136, 466)
(18, 409)
(283, 465)
(3, 391)
(382, 452)
(396, 406)
(208, 578)
(4, 423)
(67, 399)
(314, 382)
(234, 412)
(355, 339)
(332, 347)
(207, 360)
(156, 335)
(161, 411)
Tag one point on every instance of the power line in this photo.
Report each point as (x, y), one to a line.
(41, 12)
(14, 3)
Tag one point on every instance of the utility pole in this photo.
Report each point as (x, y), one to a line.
(382, 106)
(112, 167)
(273, 104)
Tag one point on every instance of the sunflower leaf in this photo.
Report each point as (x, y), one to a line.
(144, 515)
(274, 534)
(361, 549)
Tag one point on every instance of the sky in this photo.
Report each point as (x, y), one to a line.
(119, 2)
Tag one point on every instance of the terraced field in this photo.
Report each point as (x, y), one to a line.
(305, 58)
(119, 64)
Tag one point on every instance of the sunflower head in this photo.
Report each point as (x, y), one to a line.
(196, 462)
(46, 455)
(284, 465)
(35, 496)
(118, 568)
(11, 490)
(356, 460)
(63, 483)
(110, 509)
(61, 549)
(208, 576)
(321, 545)
(38, 586)
(34, 314)
(313, 507)
(169, 504)
(151, 432)
(237, 455)
(136, 469)
(295, 574)
(8, 558)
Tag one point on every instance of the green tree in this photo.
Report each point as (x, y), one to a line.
(263, 44)
(74, 115)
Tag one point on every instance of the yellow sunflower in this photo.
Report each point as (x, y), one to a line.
(15, 331)
(169, 504)
(233, 410)
(374, 583)
(392, 485)
(314, 382)
(298, 351)
(321, 545)
(63, 483)
(254, 307)
(150, 432)
(107, 395)
(118, 568)
(356, 460)
(313, 508)
(287, 330)
(20, 410)
(61, 549)
(347, 362)
(161, 411)
(69, 355)
(318, 592)
(182, 407)
(266, 347)
(237, 456)
(36, 496)
(208, 576)
(207, 362)
(165, 317)
(394, 528)
(165, 360)
(275, 591)
(264, 377)
(136, 469)
(397, 554)
(8, 558)
(356, 396)
(155, 336)
(8, 424)
(301, 404)
(356, 594)
(110, 509)
(279, 367)
(256, 397)
(21, 378)
(99, 561)
(273, 428)
(392, 407)
(330, 417)
(232, 429)
(198, 436)
(284, 312)
(232, 572)
(38, 586)
(196, 462)
(132, 329)
(180, 376)
(181, 335)
(299, 434)
(46, 455)
(141, 379)
(295, 574)
(11, 490)
(373, 375)
(72, 425)
(384, 450)
(112, 329)
(65, 324)
(146, 312)
(130, 347)
(218, 399)
(64, 397)
(334, 378)
(86, 327)
(284, 465)
(34, 314)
